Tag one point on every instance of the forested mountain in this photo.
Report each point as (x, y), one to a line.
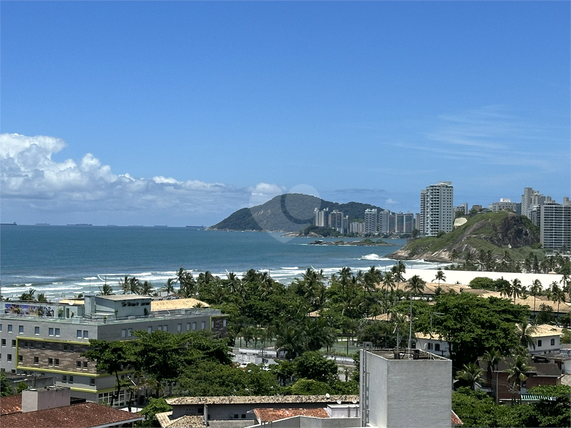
(492, 233)
(290, 212)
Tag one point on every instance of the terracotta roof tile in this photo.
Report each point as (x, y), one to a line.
(11, 404)
(456, 421)
(182, 422)
(83, 415)
(270, 415)
(270, 399)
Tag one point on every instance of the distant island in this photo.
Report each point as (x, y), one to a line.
(291, 212)
(362, 243)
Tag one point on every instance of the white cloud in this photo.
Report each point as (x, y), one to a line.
(391, 201)
(31, 181)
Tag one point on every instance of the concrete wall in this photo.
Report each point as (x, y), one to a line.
(44, 398)
(406, 393)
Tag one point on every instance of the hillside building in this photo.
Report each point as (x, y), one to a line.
(436, 208)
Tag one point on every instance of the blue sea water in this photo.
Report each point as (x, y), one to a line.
(62, 261)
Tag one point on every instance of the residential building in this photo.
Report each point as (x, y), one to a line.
(404, 222)
(462, 208)
(48, 339)
(555, 225)
(504, 204)
(436, 202)
(357, 227)
(321, 217)
(532, 198)
(371, 217)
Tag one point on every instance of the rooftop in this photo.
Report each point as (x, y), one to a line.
(263, 399)
(270, 415)
(416, 354)
(83, 415)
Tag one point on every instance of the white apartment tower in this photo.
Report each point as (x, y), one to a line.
(436, 202)
(371, 221)
(555, 229)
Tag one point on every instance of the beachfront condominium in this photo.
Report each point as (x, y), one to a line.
(371, 221)
(555, 225)
(532, 199)
(437, 208)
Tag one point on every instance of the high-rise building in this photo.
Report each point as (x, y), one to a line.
(384, 221)
(504, 204)
(422, 216)
(437, 203)
(555, 225)
(530, 199)
(321, 217)
(338, 221)
(371, 218)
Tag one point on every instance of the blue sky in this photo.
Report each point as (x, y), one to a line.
(182, 112)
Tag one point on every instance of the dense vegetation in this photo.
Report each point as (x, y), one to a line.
(319, 315)
(496, 234)
(290, 212)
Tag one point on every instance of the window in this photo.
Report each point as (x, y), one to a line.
(552, 342)
(25, 344)
(150, 329)
(3, 342)
(9, 328)
(79, 334)
(20, 358)
(194, 326)
(78, 364)
(71, 348)
(123, 332)
(539, 343)
(36, 330)
(224, 322)
(50, 361)
(65, 347)
(13, 343)
(51, 331)
(36, 360)
(32, 345)
(187, 326)
(203, 325)
(201, 410)
(20, 329)
(43, 345)
(179, 327)
(85, 365)
(429, 346)
(0, 327)
(165, 327)
(10, 357)
(91, 382)
(212, 324)
(437, 346)
(130, 332)
(85, 334)
(57, 332)
(56, 362)
(64, 378)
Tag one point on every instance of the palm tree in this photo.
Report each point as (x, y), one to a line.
(518, 370)
(454, 255)
(535, 290)
(492, 359)
(169, 286)
(28, 296)
(398, 271)
(504, 287)
(524, 332)
(145, 289)
(516, 288)
(415, 286)
(471, 373)
(106, 290)
(440, 276)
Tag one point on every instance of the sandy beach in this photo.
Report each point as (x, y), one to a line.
(464, 277)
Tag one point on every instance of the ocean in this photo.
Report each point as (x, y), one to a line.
(62, 261)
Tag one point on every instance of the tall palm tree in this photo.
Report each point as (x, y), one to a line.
(415, 286)
(535, 290)
(504, 287)
(492, 358)
(106, 290)
(471, 373)
(440, 276)
(516, 288)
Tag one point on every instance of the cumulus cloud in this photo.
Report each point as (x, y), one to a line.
(31, 180)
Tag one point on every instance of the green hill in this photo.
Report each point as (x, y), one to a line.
(495, 232)
(290, 212)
